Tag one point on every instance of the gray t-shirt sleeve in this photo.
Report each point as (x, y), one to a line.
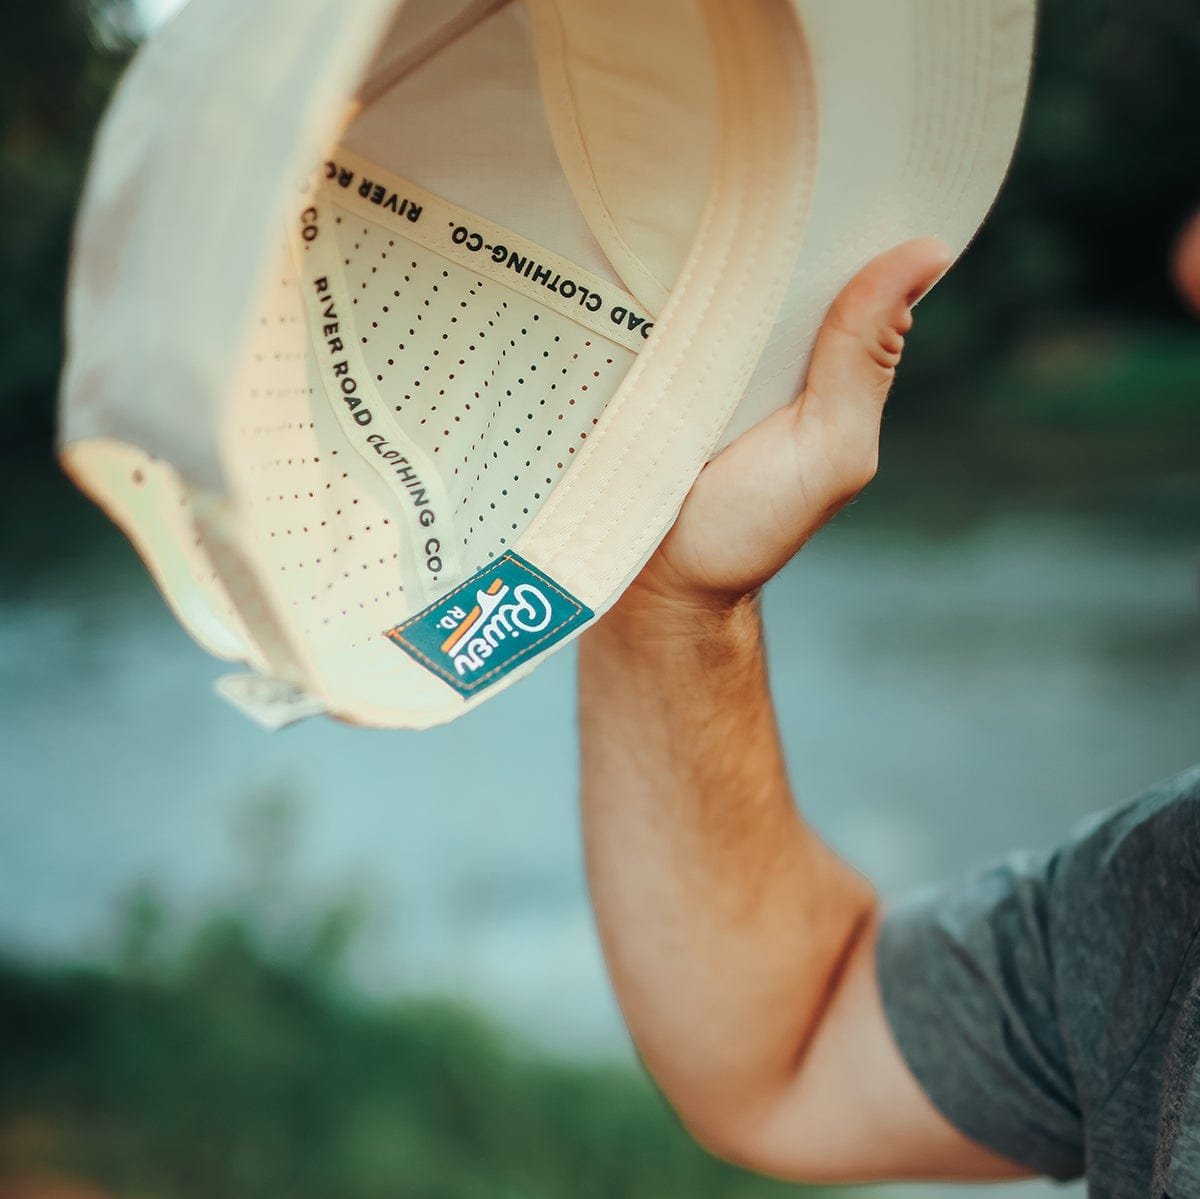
(1021, 996)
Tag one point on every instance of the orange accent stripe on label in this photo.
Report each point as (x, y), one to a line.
(460, 633)
(464, 630)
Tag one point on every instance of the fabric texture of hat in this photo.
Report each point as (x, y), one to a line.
(399, 331)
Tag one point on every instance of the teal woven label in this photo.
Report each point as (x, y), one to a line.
(500, 617)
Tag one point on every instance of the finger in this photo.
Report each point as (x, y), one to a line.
(859, 346)
(781, 480)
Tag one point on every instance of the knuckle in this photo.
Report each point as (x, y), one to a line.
(885, 348)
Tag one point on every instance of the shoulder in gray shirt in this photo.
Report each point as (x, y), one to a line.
(1050, 1006)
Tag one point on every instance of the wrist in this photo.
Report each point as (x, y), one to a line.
(664, 589)
(650, 615)
(673, 661)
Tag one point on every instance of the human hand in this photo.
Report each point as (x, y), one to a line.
(756, 504)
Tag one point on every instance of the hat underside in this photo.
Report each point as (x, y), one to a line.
(421, 376)
(449, 357)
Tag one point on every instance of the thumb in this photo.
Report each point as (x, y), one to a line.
(763, 496)
(859, 345)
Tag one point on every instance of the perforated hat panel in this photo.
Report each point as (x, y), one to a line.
(321, 524)
(500, 391)
(492, 391)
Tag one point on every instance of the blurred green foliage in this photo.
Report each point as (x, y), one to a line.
(60, 60)
(1076, 248)
(237, 1067)
(1074, 257)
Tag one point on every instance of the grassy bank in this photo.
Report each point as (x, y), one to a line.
(227, 1070)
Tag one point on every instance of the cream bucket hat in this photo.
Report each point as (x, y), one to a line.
(399, 331)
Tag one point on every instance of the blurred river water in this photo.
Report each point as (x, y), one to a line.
(944, 697)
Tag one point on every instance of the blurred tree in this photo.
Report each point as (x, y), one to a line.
(60, 60)
(1106, 172)
(1104, 176)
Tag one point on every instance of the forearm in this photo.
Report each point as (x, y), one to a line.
(723, 917)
